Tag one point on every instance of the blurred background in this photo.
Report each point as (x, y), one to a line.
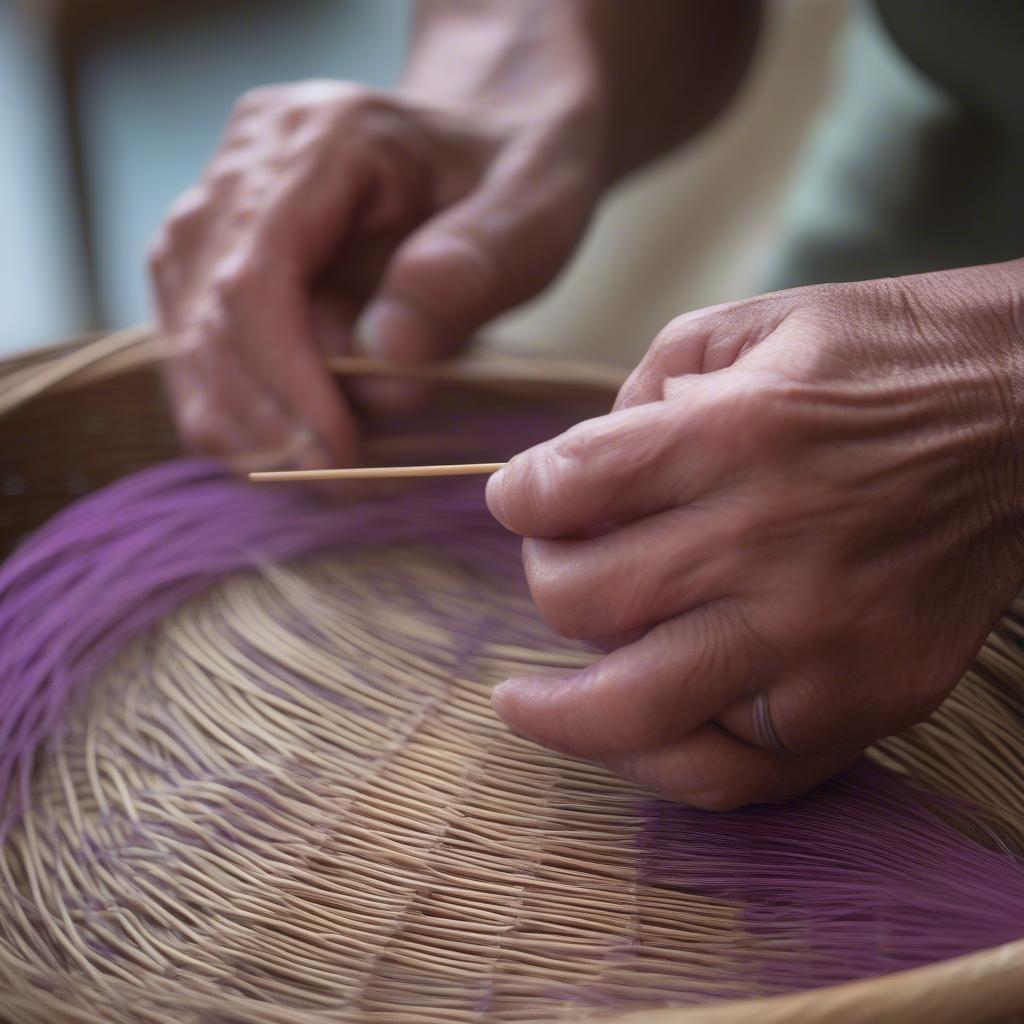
(111, 108)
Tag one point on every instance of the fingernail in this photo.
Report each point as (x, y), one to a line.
(494, 492)
(315, 456)
(389, 329)
(499, 696)
(369, 332)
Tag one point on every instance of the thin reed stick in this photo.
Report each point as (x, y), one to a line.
(376, 472)
(488, 369)
(139, 346)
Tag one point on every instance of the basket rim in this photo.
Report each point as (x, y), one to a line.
(74, 361)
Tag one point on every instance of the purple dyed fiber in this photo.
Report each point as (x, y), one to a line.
(861, 877)
(114, 563)
(864, 875)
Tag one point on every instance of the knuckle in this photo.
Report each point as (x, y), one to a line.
(224, 174)
(359, 100)
(362, 105)
(190, 205)
(253, 100)
(421, 268)
(333, 105)
(316, 91)
(677, 329)
(578, 445)
(663, 353)
(450, 273)
(722, 647)
(790, 623)
(177, 229)
(533, 499)
(197, 424)
(556, 590)
(233, 284)
(679, 347)
(187, 213)
(754, 418)
(298, 99)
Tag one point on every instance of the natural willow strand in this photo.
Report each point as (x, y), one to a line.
(287, 798)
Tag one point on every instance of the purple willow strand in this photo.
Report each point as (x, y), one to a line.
(112, 564)
(863, 874)
(859, 877)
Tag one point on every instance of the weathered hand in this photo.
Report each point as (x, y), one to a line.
(792, 534)
(328, 202)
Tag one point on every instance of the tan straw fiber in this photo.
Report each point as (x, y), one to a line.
(297, 846)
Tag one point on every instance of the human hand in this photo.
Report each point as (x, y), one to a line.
(329, 204)
(792, 534)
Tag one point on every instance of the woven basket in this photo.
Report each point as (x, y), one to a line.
(78, 416)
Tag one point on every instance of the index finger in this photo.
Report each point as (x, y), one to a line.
(612, 469)
(263, 301)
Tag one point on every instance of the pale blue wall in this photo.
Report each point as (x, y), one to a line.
(155, 99)
(39, 297)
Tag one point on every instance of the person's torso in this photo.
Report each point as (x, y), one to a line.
(918, 163)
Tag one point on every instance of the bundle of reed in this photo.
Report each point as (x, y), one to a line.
(249, 772)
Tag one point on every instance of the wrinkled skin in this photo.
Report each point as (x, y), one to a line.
(335, 217)
(328, 202)
(802, 517)
(812, 495)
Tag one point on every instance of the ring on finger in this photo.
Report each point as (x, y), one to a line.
(764, 726)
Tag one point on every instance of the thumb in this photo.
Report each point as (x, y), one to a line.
(494, 249)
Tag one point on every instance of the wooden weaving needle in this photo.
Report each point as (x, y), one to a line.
(376, 472)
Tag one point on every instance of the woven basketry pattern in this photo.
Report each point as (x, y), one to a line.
(265, 812)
